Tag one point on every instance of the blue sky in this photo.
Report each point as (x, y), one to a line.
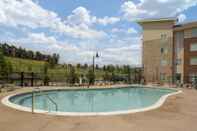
(76, 29)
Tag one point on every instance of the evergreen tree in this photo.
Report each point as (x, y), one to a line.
(91, 77)
(45, 73)
(5, 68)
(72, 77)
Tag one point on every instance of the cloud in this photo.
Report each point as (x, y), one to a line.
(123, 55)
(46, 43)
(16, 13)
(126, 31)
(154, 8)
(120, 52)
(108, 20)
(81, 16)
(182, 18)
(42, 30)
(132, 10)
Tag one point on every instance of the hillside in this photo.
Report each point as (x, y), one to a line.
(25, 65)
(62, 72)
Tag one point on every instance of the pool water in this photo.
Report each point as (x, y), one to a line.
(93, 100)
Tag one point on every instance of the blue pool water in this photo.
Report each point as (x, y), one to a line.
(93, 100)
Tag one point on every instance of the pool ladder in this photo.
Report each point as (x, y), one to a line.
(46, 96)
(52, 101)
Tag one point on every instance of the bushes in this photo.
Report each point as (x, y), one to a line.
(91, 77)
(72, 76)
(5, 66)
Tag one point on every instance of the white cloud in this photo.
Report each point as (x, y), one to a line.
(120, 52)
(123, 55)
(131, 10)
(81, 16)
(126, 31)
(155, 8)
(108, 20)
(29, 14)
(182, 18)
(48, 42)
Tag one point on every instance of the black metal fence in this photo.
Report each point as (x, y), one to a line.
(49, 79)
(22, 79)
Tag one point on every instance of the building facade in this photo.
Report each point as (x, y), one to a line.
(169, 51)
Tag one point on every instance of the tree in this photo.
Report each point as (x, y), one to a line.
(91, 77)
(106, 76)
(104, 68)
(113, 77)
(5, 67)
(12, 51)
(45, 72)
(127, 71)
(9, 68)
(72, 77)
(85, 66)
(97, 67)
(109, 68)
(78, 66)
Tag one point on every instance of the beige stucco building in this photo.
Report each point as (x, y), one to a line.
(169, 51)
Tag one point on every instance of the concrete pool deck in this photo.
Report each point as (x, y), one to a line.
(179, 113)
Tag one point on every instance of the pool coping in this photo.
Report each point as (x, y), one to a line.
(158, 104)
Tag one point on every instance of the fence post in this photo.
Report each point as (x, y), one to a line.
(22, 79)
(32, 102)
(32, 79)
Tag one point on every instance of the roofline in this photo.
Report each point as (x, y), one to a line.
(173, 19)
(184, 26)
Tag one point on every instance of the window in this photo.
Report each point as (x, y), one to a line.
(162, 50)
(193, 47)
(162, 76)
(164, 62)
(178, 62)
(194, 32)
(179, 40)
(193, 61)
(193, 77)
(178, 77)
(166, 51)
(163, 36)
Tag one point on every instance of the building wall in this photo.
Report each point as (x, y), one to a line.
(188, 68)
(184, 53)
(158, 51)
(179, 55)
(151, 60)
(166, 51)
(188, 33)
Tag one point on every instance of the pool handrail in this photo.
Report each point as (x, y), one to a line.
(52, 101)
(46, 95)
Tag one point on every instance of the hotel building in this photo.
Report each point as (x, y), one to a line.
(169, 51)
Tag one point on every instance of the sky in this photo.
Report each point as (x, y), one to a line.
(77, 29)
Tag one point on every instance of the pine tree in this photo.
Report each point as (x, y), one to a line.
(3, 65)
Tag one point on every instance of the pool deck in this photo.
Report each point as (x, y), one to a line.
(179, 113)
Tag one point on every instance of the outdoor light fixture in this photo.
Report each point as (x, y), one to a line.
(96, 56)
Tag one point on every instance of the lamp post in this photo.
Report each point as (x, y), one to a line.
(96, 56)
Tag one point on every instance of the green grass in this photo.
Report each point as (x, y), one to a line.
(24, 65)
(58, 72)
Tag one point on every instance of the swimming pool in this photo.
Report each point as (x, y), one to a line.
(91, 101)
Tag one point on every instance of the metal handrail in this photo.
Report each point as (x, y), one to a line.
(50, 99)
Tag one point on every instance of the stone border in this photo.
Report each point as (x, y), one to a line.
(158, 104)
